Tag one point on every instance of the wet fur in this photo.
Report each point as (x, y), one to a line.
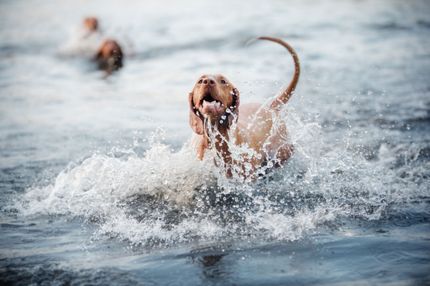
(215, 105)
(109, 56)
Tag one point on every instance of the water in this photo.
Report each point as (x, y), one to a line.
(100, 185)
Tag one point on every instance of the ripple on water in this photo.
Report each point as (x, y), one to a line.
(167, 197)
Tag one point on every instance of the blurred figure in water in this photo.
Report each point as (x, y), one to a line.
(89, 42)
(85, 40)
(109, 56)
(91, 25)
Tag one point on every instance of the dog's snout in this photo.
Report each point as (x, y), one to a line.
(208, 81)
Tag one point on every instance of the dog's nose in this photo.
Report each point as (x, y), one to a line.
(208, 81)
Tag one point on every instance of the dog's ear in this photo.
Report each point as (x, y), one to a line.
(195, 122)
(234, 105)
(99, 54)
(236, 100)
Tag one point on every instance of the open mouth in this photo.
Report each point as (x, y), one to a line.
(208, 98)
(210, 105)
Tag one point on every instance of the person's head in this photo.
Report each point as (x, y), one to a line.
(91, 24)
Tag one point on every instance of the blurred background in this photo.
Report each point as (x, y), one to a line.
(76, 145)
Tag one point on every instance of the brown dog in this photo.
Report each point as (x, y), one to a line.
(217, 116)
(109, 56)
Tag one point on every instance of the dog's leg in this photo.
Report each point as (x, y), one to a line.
(202, 145)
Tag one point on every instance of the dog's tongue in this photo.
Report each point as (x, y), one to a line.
(213, 107)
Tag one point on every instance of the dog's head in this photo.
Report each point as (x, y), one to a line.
(91, 24)
(213, 98)
(110, 55)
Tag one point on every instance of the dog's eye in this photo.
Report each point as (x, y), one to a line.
(200, 81)
(223, 81)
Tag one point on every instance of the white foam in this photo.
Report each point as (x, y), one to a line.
(164, 196)
(81, 43)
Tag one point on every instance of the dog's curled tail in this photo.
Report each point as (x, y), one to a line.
(286, 94)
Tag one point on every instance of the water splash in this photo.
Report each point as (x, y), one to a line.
(81, 43)
(166, 197)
